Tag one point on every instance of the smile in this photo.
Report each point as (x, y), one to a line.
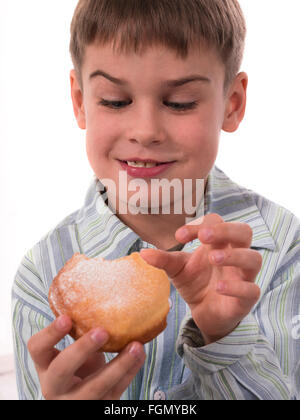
(144, 169)
(142, 164)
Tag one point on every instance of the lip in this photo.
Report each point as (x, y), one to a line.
(145, 172)
(136, 159)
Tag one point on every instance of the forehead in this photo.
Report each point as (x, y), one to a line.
(155, 62)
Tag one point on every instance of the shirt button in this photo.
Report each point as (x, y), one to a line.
(159, 395)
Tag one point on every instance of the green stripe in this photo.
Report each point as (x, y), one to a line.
(60, 248)
(27, 291)
(18, 347)
(294, 244)
(78, 239)
(269, 378)
(175, 334)
(150, 373)
(146, 370)
(226, 385)
(276, 224)
(282, 313)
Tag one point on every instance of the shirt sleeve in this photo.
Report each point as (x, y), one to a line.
(30, 314)
(258, 360)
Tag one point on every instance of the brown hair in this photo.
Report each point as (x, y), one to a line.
(132, 25)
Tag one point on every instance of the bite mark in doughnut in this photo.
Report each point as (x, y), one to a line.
(127, 297)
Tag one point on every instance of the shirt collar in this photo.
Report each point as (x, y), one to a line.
(101, 232)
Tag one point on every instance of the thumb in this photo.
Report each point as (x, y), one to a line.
(172, 262)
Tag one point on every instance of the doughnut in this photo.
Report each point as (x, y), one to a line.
(127, 297)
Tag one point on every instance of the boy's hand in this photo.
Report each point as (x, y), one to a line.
(79, 372)
(219, 294)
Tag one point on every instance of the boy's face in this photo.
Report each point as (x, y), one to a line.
(132, 106)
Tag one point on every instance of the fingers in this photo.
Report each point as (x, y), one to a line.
(214, 231)
(248, 293)
(237, 234)
(172, 262)
(94, 362)
(241, 287)
(41, 345)
(133, 370)
(248, 260)
(190, 231)
(57, 370)
(115, 377)
(63, 368)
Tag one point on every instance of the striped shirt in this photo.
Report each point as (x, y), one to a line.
(260, 359)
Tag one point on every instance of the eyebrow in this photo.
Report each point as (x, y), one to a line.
(169, 83)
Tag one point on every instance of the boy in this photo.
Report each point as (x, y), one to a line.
(156, 81)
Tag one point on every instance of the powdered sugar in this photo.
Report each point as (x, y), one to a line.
(110, 283)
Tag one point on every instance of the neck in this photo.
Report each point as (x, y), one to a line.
(158, 230)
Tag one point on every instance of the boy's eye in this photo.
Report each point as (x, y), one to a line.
(176, 106)
(114, 104)
(181, 106)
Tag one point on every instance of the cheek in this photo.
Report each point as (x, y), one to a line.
(98, 146)
(201, 137)
(99, 135)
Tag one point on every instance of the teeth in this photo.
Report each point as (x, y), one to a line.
(141, 164)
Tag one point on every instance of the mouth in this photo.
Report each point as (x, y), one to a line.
(144, 169)
(144, 163)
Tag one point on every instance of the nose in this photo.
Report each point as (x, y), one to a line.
(147, 127)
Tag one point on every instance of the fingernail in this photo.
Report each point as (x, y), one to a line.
(135, 351)
(184, 233)
(144, 254)
(221, 287)
(196, 222)
(63, 323)
(99, 336)
(207, 234)
(143, 249)
(218, 257)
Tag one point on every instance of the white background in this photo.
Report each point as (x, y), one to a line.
(44, 172)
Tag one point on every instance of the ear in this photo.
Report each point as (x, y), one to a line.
(77, 100)
(235, 103)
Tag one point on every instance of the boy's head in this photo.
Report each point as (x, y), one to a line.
(157, 80)
(180, 25)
